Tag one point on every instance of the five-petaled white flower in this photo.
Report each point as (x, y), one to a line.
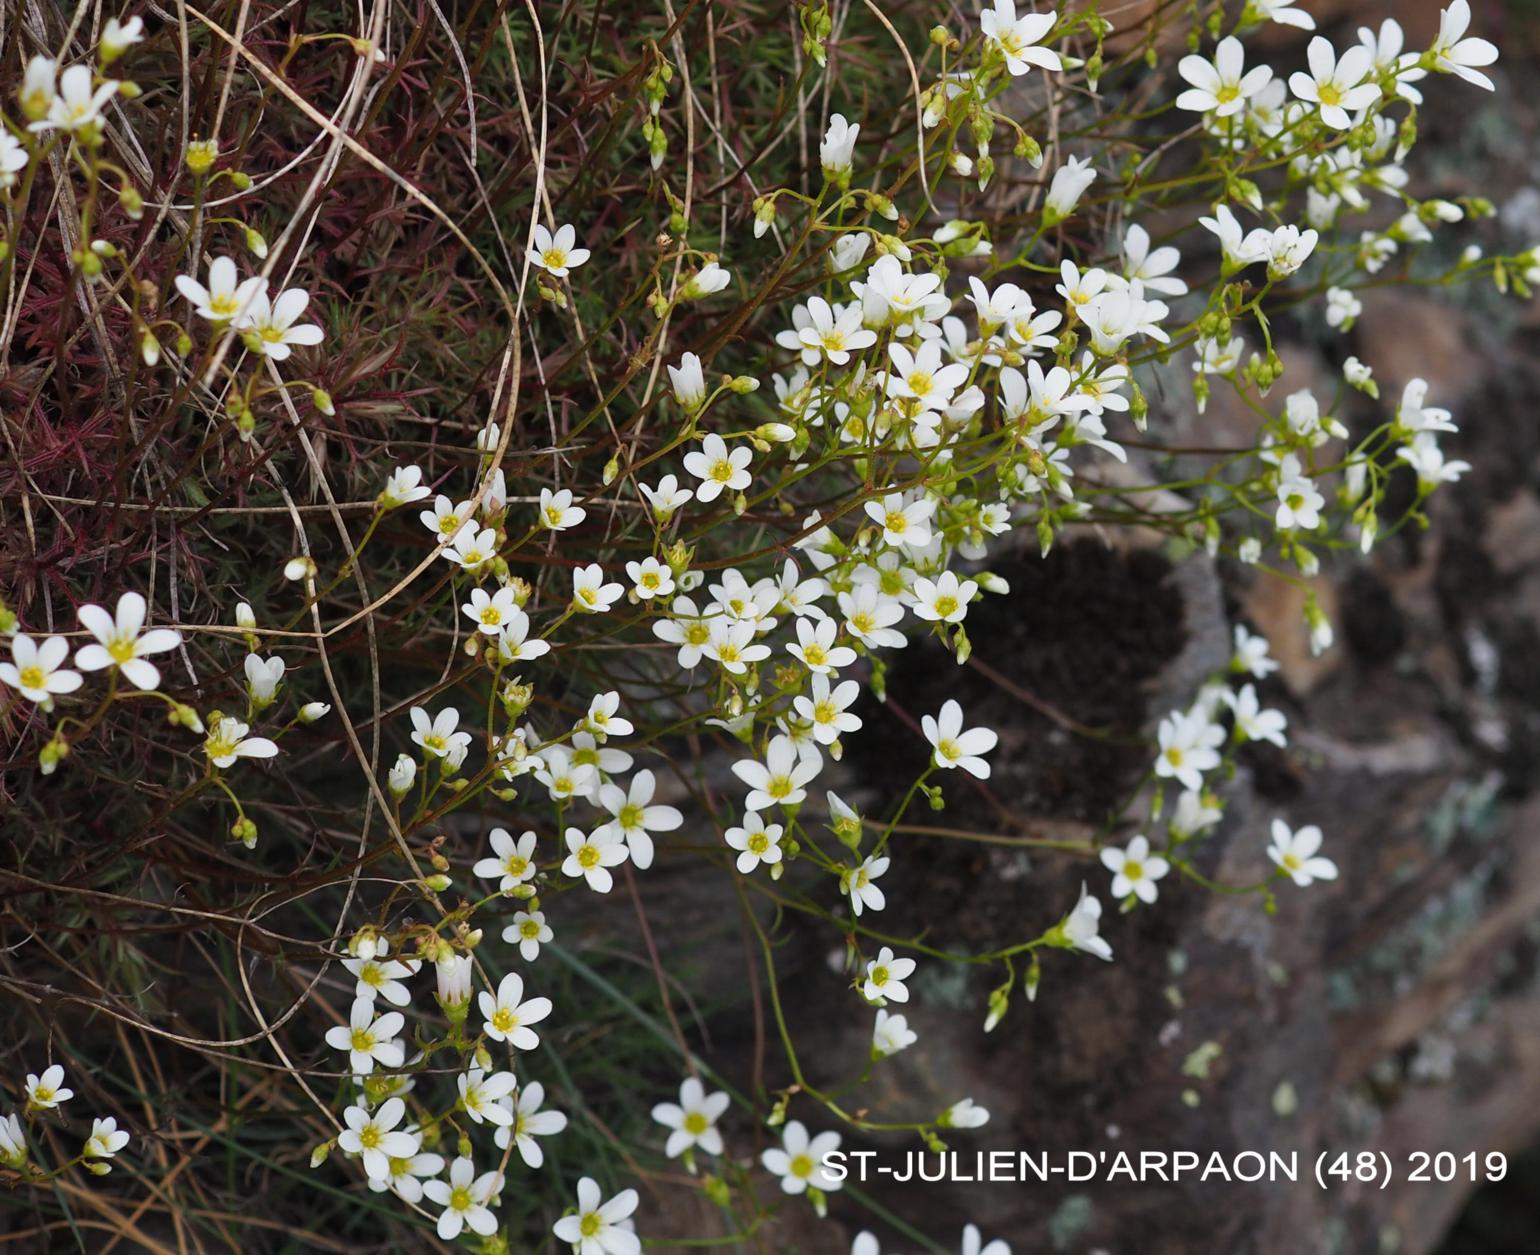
(513, 861)
(228, 741)
(1335, 84)
(509, 1014)
(120, 642)
(591, 855)
(1296, 853)
(374, 1136)
(106, 1139)
(885, 977)
(529, 1122)
(1135, 870)
(37, 671)
(557, 254)
(1223, 86)
(225, 297)
(465, 1198)
(800, 1160)
(692, 1120)
(756, 842)
(955, 747)
(47, 1091)
(78, 102)
(600, 1227)
(368, 1039)
(269, 326)
(1019, 37)
(781, 780)
(634, 818)
(482, 1095)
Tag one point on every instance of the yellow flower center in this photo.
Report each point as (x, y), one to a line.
(879, 976)
(946, 605)
(1133, 870)
(33, 677)
(505, 1021)
(369, 1138)
(896, 521)
(722, 471)
(362, 1040)
(121, 650)
(1227, 93)
(630, 816)
(554, 258)
(802, 1166)
(759, 842)
(696, 1124)
(588, 857)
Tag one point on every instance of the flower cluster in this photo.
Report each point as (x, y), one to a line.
(576, 675)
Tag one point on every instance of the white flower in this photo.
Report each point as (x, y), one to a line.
(799, 1159)
(1251, 654)
(717, 468)
(367, 1039)
(529, 1122)
(269, 325)
(263, 676)
(437, 736)
(79, 100)
(47, 1091)
(1287, 250)
(692, 1121)
(780, 780)
(1415, 416)
(509, 1014)
(885, 977)
(1135, 870)
(1252, 722)
(964, 1114)
(228, 740)
(1457, 54)
(890, 1034)
(600, 1227)
(557, 511)
(531, 931)
(920, 378)
(1296, 853)
(472, 547)
(1188, 747)
(1069, 183)
(706, 281)
(756, 841)
(1299, 504)
(592, 855)
(403, 773)
(1222, 86)
(490, 612)
(374, 1136)
(464, 1198)
(828, 709)
(513, 861)
(1341, 308)
(37, 670)
(403, 488)
(1284, 13)
(667, 497)
(106, 1138)
(564, 776)
(118, 37)
(590, 593)
(37, 91)
(861, 884)
(383, 976)
(119, 643)
(1148, 267)
(1018, 37)
(635, 818)
(224, 298)
(13, 1142)
(903, 522)
(1425, 457)
(1239, 249)
(1336, 85)
(650, 578)
(1192, 815)
(13, 158)
(870, 616)
(689, 382)
(828, 331)
(973, 1244)
(556, 254)
(816, 649)
(481, 1095)
(837, 147)
(945, 600)
(452, 974)
(955, 747)
(446, 518)
(513, 643)
(404, 1176)
(1083, 924)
